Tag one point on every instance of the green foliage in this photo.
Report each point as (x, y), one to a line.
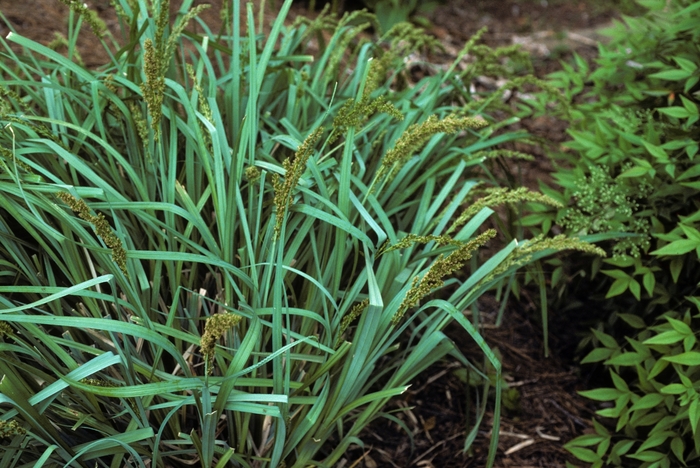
(657, 413)
(392, 12)
(220, 250)
(631, 176)
(388, 14)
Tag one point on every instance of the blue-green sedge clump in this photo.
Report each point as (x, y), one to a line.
(102, 228)
(214, 329)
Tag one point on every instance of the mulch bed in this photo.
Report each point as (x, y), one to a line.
(545, 410)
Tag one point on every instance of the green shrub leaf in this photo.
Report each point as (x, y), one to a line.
(635, 171)
(635, 289)
(667, 337)
(685, 64)
(597, 355)
(632, 320)
(674, 389)
(587, 440)
(678, 447)
(677, 112)
(648, 401)
(655, 440)
(622, 447)
(585, 455)
(671, 75)
(607, 340)
(618, 287)
(675, 266)
(691, 358)
(656, 151)
(649, 281)
(625, 359)
(679, 247)
(648, 456)
(694, 414)
(680, 327)
(602, 394)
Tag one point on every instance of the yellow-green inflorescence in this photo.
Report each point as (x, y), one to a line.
(61, 43)
(154, 87)
(203, 104)
(442, 267)
(355, 312)
(522, 255)
(141, 127)
(500, 196)
(5, 329)
(405, 37)
(89, 16)
(354, 113)
(293, 171)
(417, 135)
(104, 231)
(7, 156)
(202, 99)
(560, 242)
(11, 429)
(214, 329)
(344, 44)
(157, 55)
(252, 174)
(98, 383)
(413, 239)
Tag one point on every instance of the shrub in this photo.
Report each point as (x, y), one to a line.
(222, 249)
(630, 175)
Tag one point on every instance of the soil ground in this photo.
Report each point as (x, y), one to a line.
(544, 411)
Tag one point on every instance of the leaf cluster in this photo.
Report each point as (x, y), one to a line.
(630, 178)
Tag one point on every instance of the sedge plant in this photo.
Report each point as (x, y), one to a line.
(221, 250)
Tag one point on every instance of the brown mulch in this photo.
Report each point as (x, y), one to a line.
(544, 409)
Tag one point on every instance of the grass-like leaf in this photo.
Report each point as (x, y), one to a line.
(217, 249)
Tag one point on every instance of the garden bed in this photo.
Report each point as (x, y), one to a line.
(542, 409)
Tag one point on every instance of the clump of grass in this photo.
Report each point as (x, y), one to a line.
(228, 203)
